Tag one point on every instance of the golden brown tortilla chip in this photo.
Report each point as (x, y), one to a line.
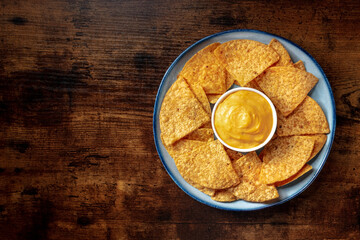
(233, 155)
(208, 165)
(184, 146)
(204, 69)
(248, 166)
(213, 97)
(207, 191)
(201, 96)
(285, 59)
(308, 118)
(285, 156)
(201, 134)
(250, 189)
(302, 171)
(254, 84)
(245, 59)
(320, 140)
(229, 81)
(223, 196)
(206, 125)
(263, 193)
(181, 113)
(287, 87)
(300, 65)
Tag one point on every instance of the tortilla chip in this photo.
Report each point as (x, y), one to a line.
(243, 189)
(233, 155)
(250, 189)
(229, 81)
(300, 65)
(208, 165)
(254, 84)
(302, 171)
(200, 96)
(263, 193)
(207, 191)
(223, 196)
(320, 140)
(287, 87)
(204, 68)
(206, 125)
(182, 147)
(201, 134)
(245, 59)
(285, 59)
(308, 118)
(213, 97)
(248, 169)
(285, 156)
(248, 166)
(181, 113)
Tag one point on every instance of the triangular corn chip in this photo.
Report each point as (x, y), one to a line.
(245, 59)
(181, 113)
(308, 118)
(284, 157)
(287, 87)
(285, 59)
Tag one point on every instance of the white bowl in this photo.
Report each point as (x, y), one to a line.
(273, 129)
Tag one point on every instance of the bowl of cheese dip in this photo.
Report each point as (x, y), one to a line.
(244, 119)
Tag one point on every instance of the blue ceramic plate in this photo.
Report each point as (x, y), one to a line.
(321, 93)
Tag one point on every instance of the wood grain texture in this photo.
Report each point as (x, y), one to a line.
(78, 81)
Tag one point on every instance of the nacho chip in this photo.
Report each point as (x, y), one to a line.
(263, 193)
(213, 97)
(233, 155)
(223, 196)
(248, 169)
(243, 189)
(254, 84)
(285, 156)
(245, 59)
(204, 68)
(261, 154)
(320, 140)
(208, 165)
(302, 171)
(201, 134)
(300, 65)
(287, 87)
(229, 81)
(248, 166)
(308, 118)
(181, 113)
(285, 59)
(200, 96)
(206, 125)
(250, 189)
(182, 147)
(207, 191)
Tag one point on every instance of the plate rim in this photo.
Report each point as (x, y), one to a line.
(332, 134)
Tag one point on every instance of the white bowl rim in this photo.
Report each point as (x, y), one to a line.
(274, 115)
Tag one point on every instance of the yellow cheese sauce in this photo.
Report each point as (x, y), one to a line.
(244, 119)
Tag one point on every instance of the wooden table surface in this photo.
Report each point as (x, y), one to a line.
(78, 85)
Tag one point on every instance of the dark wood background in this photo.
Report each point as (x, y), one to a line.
(77, 90)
